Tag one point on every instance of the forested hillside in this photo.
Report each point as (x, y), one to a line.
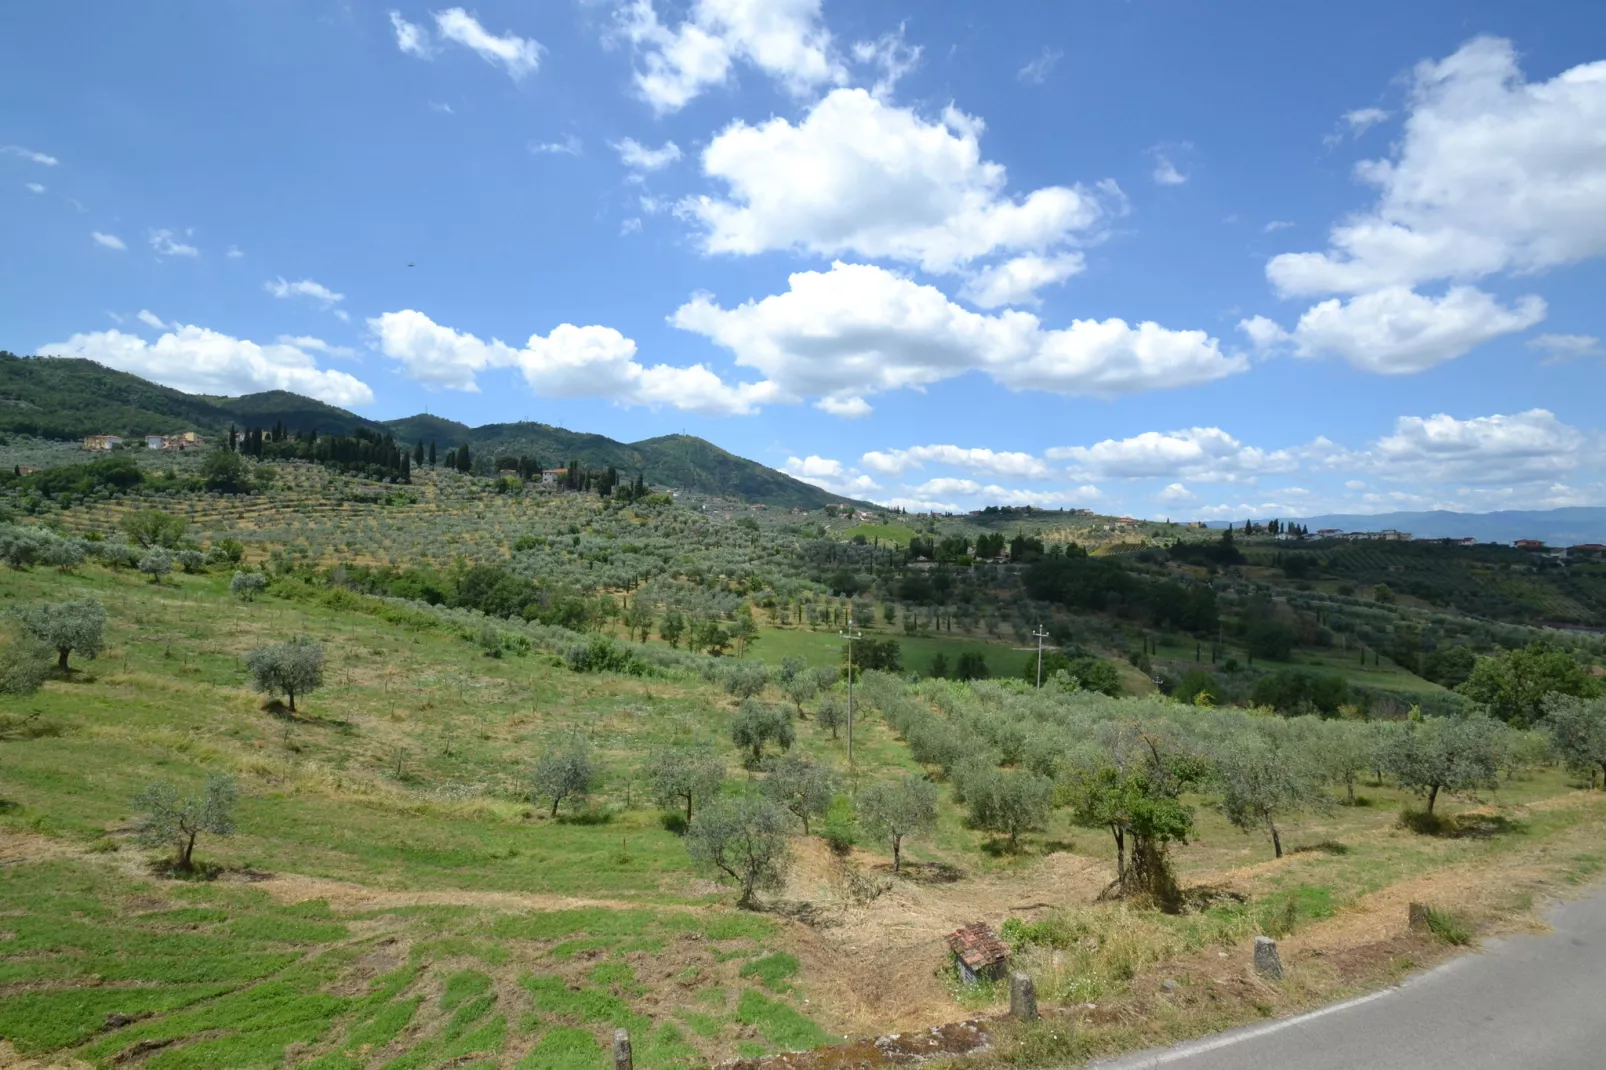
(63, 398)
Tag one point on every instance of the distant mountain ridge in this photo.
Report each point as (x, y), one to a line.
(1556, 527)
(68, 398)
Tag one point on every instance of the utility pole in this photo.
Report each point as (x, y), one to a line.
(850, 635)
(1040, 634)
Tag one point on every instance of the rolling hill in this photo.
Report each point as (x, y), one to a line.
(67, 398)
(1558, 527)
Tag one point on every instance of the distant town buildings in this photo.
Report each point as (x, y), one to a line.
(1529, 544)
(1386, 535)
(187, 440)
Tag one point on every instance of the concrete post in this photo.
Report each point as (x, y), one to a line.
(1267, 963)
(622, 1059)
(1022, 998)
(1418, 914)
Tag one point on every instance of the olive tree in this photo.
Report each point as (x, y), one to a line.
(247, 585)
(151, 527)
(745, 839)
(1578, 727)
(1008, 801)
(801, 786)
(746, 679)
(1459, 755)
(757, 724)
(173, 820)
(294, 668)
(64, 554)
(1346, 749)
(832, 713)
(67, 627)
(1132, 784)
(800, 688)
(895, 809)
(684, 775)
(1261, 782)
(563, 773)
(156, 563)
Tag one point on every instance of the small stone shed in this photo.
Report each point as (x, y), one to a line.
(979, 953)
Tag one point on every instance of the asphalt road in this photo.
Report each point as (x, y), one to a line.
(1523, 1003)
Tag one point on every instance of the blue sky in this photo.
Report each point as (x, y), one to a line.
(1159, 258)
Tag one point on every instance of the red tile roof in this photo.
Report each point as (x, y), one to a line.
(978, 946)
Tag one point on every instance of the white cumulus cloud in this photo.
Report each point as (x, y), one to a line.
(570, 361)
(109, 241)
(785, 39)
(1492, 173)
(1524, 447)
(859, 330)
(994, 462)
(203, 361)
(1397, 331)
(859, 175)
(1203, 454)
(1016, 282)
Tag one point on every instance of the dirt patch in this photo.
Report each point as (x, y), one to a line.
(12, 1060)
(17, 846)
(894, 1049)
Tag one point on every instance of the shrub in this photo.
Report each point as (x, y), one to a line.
(840, 829)
(25, 662)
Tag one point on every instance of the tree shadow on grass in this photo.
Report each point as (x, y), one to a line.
(277, 708)
(1472, 826)
(928, 872)
(1326, 847)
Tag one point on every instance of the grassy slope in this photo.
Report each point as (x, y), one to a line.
(416, 919)
(322, 799)
(70, 398)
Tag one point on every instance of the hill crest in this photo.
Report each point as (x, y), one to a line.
(69, 398)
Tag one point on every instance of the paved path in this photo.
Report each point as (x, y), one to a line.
(1524, 1003)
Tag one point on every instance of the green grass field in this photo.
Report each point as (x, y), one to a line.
(824, 647)
(393, 899)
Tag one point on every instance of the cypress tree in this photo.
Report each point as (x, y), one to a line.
(432, 453)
